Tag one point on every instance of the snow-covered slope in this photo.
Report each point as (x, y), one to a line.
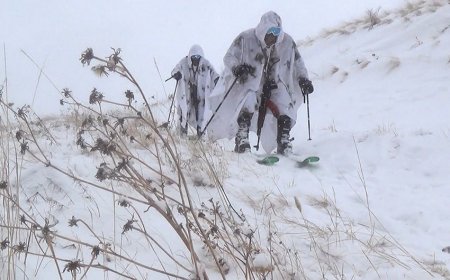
(375, 207)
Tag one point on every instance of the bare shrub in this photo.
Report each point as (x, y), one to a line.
(334, 70)
(417, 43)
(344, 76)
(412, 8)
(445, 29)
(384, 129)
(332, 127)
(373, 18)
(363, 63)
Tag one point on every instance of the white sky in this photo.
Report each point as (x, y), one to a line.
(55, 33)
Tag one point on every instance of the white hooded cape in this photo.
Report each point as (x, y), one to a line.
(288, 67)
(203, 77)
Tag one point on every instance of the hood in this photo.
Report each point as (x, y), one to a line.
(268, 20)
(195, 50)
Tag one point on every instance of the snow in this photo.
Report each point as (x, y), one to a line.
(374, 207)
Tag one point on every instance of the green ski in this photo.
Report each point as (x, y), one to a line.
(271, 160)
(268, 160)
(307, 161)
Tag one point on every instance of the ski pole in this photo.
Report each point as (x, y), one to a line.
(307, 110)
(171, 104)
(218, 107)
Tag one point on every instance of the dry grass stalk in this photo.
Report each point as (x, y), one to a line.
(372, 18)
(393, 64)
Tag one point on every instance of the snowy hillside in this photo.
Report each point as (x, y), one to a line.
(114, 194)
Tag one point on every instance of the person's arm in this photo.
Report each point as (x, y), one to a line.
(177, 71)
(302, 74)
(299, 64)
(233, 56)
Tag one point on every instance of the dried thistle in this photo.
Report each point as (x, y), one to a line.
(73, 222)
(214, 230)
(104, 147)
(101, 175)
(22, 113)
(3, 185)
(95, 251)
(120, 121)
(46, 229)
(122, 164)
(24, 148)
(20, 248)
(164, 125)
(61, 102)
(89, 121)
(224, 266)
(100, 70)
(114, 59)
(128, 226)
(95, 97)
(102, 172)
(123, 203)
(73, 267)
(446, 249)
(66, 92)
(181, 210)
(129, 95)
(87, 56)
(23, 219)
(80, 142)
(4, 244)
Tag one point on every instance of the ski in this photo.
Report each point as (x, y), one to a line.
(268, 160)
(307, 161)
(271, 160)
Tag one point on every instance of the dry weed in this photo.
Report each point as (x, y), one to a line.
(386, 129)
(372, 18)
(344, 76)
(334, 70)
(363, 63)
(393, 64)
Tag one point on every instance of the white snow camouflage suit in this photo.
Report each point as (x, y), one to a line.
(288, 68)
(203, 78)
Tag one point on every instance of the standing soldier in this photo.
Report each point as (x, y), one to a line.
(264, 79)
(196, 79)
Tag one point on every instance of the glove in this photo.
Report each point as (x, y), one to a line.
(177, 76)
(243, 69)
(306, 86)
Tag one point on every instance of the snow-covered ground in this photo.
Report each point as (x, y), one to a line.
(374, 207)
